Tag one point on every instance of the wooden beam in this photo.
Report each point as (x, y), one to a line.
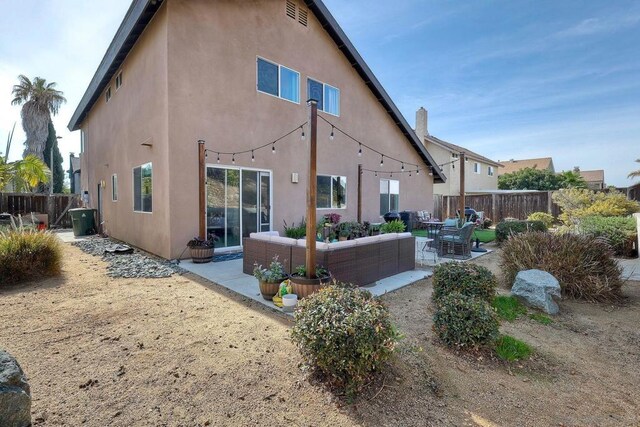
(311, 190)
(202, 209)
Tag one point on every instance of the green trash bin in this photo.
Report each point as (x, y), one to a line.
(83, 221)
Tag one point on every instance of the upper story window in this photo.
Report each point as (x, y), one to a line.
(328, 97)
(490, 170)
(278, 80)
(83, 141)
(118, 80)
(477, 168)
(107, 94)
(332, 192)
(143, 188)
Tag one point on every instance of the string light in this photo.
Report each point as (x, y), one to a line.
(253, 159)
(381, 160)
(331, 136)
(218, 158)
(233, 159)
(206, 154)
(273, 148)
(402, 169)
(302, 136)
(376, 173)
(417, 171)
(360, 151)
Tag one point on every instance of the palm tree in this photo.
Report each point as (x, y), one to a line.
(24, 175)
(634, 174)
(41, 100)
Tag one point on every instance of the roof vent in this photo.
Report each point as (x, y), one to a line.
(291, 9)
(302, 17)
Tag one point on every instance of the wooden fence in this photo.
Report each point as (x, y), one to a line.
(498, 206)
(56, 206)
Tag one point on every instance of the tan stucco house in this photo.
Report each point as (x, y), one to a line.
(481, 173)
(237, 74)
(542, 163)
(594, 179)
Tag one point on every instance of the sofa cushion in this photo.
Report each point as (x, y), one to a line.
(367, 240)
(343, 244)
(404, 235)
(450, 222)
(388, 236)
(283, 240)
(301, 242)
(260, 236)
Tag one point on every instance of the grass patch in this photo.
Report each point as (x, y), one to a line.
(508, 307)
(511, 349)
(541, 318)
(485, 236)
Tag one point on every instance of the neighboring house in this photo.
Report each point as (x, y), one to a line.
(74, 174)
(633, 192)
(237, 74)
(481, 173)
(594, 179)
(512, 165)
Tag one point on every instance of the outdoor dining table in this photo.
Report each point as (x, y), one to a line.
(433, 228)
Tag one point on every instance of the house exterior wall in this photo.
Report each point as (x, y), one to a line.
(473, 181)
(114, 132)
(199, 63)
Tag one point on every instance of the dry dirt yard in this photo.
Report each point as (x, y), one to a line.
(182, 351)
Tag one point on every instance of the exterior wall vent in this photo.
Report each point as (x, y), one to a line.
(302, 17)
(291, 9)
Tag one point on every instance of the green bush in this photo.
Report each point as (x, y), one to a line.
(584, 265)
(506, 229)
(577, 203)
(545, 218)
(511, 349)
(344, 333)
(620, 232)
(26, 255)
(294, 232)
(395, 226)
(463, 321)
(465, 278)
(508, 307)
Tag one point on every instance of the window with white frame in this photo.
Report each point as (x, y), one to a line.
(328, 97)
(477, 168)
(114, 188)
(331, 192)
(107, 94)
(389, 195)
(490, 170)
(143, 188)
(278, 80)
(119, 80)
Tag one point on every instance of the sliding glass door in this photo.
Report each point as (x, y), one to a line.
(238, 203)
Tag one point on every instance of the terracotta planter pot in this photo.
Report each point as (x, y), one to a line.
(343, 239)
(201, 255)
(304, 287)
(268, 290)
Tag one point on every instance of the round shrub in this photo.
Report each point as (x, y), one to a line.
(506, 229)
(463, 321)
(619, 231)
(464, 278)
(26, 255)
(583, 265)
(344, 333)
(545, 218)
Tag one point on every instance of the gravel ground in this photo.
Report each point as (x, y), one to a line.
(135, 265)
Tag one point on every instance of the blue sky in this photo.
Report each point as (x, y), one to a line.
(508, 79)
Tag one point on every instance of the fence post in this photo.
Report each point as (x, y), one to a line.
(549, 203)
(494, 212)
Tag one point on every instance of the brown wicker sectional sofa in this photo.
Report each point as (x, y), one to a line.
(361, 261)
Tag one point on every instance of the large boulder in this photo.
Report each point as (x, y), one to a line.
(15, 395)
(537, 289)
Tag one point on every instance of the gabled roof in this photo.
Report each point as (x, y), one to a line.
(509, 166)
(140, 14)
(458, 149)
(593, 176)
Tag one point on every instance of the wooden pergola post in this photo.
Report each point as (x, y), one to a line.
(360, 192)
(312, 190)
(461, 205)
(202, 209)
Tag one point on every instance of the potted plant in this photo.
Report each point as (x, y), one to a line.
(304, 286)
(344, 234)
(201, 250)
(270, 278)
(395, 226)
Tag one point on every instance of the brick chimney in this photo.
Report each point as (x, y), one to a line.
(421, 123)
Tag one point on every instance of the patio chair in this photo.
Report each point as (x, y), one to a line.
(455, 241)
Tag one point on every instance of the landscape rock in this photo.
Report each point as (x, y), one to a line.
(537, 289)
(15, 394)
